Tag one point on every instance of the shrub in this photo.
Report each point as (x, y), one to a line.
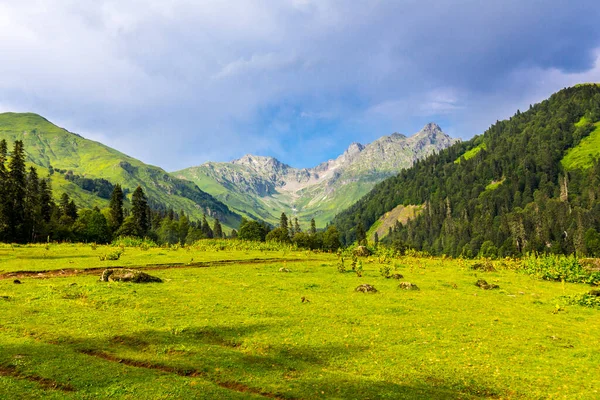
(558, 268)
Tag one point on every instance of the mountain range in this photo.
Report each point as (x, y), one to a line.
(256, 187)
(263, 187)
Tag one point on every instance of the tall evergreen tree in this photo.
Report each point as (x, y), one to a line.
(32, 205)
(361, 236)
(116, 208)
(184, 227)
(283, 223)
(139, 206)
(46, 202)
(4, 192)
(16, 189)
(297, 226)
(205, 228)
(217, 229)
(313, 226)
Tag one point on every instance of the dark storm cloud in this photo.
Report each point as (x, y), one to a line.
(212, 80)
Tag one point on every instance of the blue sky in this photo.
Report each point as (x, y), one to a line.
(179, 83)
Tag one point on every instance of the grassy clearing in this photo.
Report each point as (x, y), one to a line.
(584, 154)
(471, 153)
(242, 331)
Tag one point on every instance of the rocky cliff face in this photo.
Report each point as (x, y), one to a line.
(264, 187)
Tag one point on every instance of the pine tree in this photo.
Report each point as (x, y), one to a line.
(218, 230)
(313, 227)
(361, 236)
(16, 188)
(205, 228)
(72, 210)
(4, 192)
(283, 223)
(64, 204)
(234, 234)
(139, 211)
(46, 203)
(32, 205)
(183, 227)
(376, 239)
(297, 226)
(116, 216)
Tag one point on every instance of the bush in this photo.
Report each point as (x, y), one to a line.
(559, 268)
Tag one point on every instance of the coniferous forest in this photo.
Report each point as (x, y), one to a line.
(528, 184)
(29, 213)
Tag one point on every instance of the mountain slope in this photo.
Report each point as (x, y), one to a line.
(58, 151)
(530, 183)
(263, 187)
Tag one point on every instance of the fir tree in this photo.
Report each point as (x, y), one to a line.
(4, 192)
(183, 227)
(283, 223)
(313, 227)
(139, 211)
(361, 236)
(217, 229)
(116, 215)
(297, 226)
(32, 205)
(205, 228)
(46, 203)
(16, 189)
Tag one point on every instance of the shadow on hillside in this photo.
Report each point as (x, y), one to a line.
(227, 355)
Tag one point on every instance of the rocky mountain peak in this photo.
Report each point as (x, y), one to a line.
(353, 149)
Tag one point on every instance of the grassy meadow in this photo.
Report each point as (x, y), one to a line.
(226, 323)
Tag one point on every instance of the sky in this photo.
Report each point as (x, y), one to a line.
(178, 83)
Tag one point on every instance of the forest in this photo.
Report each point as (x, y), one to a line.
(508, 192)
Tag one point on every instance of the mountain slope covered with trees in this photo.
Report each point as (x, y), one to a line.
(529, 183)
(88, 170)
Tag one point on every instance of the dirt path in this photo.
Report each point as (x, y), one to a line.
(67, 272)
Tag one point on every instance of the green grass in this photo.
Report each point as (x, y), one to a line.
(583, 155)
(471, 153)
(49, 145)
(234, 331)
(494, 185)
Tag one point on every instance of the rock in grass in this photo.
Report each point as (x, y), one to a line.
(408, 286)
(397, 276)
(17, 282)
(127, 275)
(485, 286)
(284, 269)
(366, 288)
(361, 251)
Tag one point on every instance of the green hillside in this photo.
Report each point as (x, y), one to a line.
(56, 151)
(529, 183)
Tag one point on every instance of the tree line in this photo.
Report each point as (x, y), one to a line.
(28, 213)
(290, 232)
